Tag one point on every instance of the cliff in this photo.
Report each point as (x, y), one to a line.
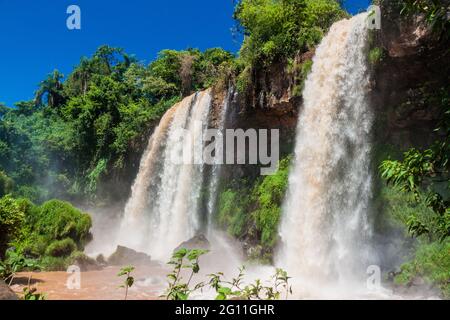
(414, 66)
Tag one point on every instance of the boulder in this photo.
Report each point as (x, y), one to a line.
(126, 256)
(101, 260)
(84, 262)
(6, 293)
(197, 242)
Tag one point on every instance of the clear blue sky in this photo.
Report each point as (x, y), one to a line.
(34, 39)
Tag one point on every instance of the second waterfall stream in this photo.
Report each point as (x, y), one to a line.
(326, 226)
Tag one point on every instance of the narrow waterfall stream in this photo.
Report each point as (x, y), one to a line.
(216, 169)
(326, 224)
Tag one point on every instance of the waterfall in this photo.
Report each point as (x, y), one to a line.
(163, 208)
(216, 169)
(326, 228)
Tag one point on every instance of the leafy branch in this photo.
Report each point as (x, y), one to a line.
(129, 280)
(234, 289)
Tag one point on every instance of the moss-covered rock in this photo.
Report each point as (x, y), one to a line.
(126, 256)
(61, 248)
(85, 263)
(59, 220)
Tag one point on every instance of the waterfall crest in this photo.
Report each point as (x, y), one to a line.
(326, 227)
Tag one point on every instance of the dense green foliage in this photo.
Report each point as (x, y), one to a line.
(252, 211)
(432, 263)
(421, 179)
(13, 263)
(77, 131)
(277, 29)
(11, 220)
(51, 233)
(425, 175)
(82, 129)
(376, 55)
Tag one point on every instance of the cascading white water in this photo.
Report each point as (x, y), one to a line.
(218, 161)
(162, 211)
(326, 225)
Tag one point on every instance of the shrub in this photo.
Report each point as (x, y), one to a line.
(49, 233)
(300, 72)
(32, 245)
(6, 184)
(49, 263)
(232, 212)
(59, 220)
(269, 195)
(13, 263)
(376, 55)
(432, 262)
(11, 220)
(61, 248)
(244, 80)
(263, 200)
(276, 29)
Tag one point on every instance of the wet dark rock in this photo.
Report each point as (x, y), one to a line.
(126, 256)
(86, 263)
(101, 260)
(197, 242)
(6, 293)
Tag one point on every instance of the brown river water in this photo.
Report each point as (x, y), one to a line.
(95, 285)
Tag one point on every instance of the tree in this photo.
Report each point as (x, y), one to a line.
(276, 29)
(11, 220)
(52, 89)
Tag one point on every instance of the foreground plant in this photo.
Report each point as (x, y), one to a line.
(129, 280)
(31, 294)
(14, 263)
(234, 289)
(183, 259)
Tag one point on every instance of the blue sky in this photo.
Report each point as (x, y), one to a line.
(34, 39)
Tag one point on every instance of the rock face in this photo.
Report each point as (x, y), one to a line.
(197, 242)
(86, 263)
(271, 100)
(405, 36)
(414, 67)
(6, 293)
(125, 256)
